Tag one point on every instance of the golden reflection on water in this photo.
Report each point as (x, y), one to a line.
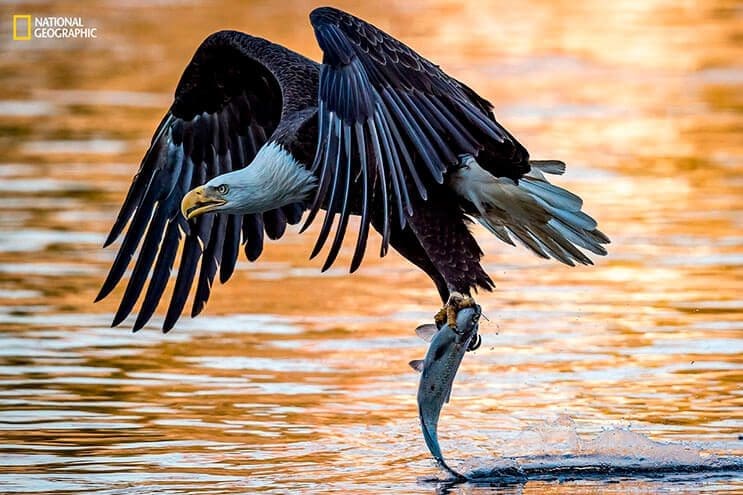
(266, 392)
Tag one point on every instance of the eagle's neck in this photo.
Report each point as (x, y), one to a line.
(273, 179)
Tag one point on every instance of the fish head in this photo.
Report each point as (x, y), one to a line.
(467, 324)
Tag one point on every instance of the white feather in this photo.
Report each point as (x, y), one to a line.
(545, 218)
(273, 179)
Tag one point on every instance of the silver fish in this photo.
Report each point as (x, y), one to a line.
(438, 370)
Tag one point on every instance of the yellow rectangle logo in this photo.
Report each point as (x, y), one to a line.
(21, 35)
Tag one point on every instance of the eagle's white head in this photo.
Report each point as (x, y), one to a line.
(273, 179)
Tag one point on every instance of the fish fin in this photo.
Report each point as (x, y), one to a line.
(426, 331)
(417, 365)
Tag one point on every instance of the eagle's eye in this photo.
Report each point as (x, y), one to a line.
(223, 189)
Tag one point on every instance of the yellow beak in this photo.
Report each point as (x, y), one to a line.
(200, 200)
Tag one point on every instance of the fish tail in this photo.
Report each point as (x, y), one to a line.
(432, 442)
(443, 465)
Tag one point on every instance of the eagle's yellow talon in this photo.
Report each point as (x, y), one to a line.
(440, 318)
(448, 314)
(451, 316)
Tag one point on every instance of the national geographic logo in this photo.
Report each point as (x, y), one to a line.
(27, 27)
(21, 27)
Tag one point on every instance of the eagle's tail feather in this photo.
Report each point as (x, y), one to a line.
(545, 218)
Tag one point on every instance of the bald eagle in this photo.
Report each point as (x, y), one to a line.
(258, 135)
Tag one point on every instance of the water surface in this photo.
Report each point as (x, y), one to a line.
(293, 381)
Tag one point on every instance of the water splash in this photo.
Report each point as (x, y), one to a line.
(554, 450)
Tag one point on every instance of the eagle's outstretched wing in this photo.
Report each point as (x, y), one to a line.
(394, 121)
(227, 104)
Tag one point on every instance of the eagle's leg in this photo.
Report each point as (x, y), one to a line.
(448, 313)
(437, 240)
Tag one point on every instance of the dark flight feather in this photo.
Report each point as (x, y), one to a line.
(227, 102)
(406, 107)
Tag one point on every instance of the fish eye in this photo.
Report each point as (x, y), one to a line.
(223, 189)
(476, 343)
